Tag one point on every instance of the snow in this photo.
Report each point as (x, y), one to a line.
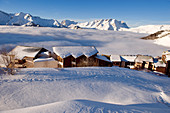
(102, 58)
(106, 42)
(164, 33)
(104, 24)
(167, 57)
(164, 41)
(68, 22)
(141, 58)
(147, 28)
(4, 18)
(25, 19)
(75, 51)
(115, 58)
(21, 51)
(160, 64)
(44, 59)
(128, 58)
(93, 89)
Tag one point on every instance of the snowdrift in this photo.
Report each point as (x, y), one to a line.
(92, 89)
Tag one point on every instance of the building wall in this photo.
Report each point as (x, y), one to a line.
(83, 61)
(161, 69)
(117, 64)
(67, 62)
(168, 68)
(104, 63)
(28, 62)
(46, 64)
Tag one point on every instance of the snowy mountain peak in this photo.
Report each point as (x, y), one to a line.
(104, 24)
(26, 19)
(68, 22)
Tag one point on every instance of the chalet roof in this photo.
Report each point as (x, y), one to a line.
(128, 58)
(115, 58)
(21, 51)
(160, 64)
(102, 58)
(141, 58)
(44, 59)
(75, 51)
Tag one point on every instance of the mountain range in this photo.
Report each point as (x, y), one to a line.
(26, 19)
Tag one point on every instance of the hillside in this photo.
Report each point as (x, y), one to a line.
(160, 37)
(76, 90)
(150, 29)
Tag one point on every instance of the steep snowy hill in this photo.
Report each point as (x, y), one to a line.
(77, 90)
(147, 29)
(68, 22)
(25, 19)
(104, 24)
(4, 18)
(29, 20)
(160, 38)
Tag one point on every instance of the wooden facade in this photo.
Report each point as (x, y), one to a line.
(81, 61)
(168, 68)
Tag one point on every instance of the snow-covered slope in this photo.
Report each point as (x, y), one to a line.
(90, 89)
(106, 42)
(148, 29)
(29, 20)
(4, 18)
(25, 19)
(104, 24)
(164, 39)
(68, 22)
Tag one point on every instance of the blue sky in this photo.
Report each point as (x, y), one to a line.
(133, 12)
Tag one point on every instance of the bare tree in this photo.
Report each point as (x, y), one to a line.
(7, 61)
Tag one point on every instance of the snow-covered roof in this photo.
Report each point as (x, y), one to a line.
(160, 64)
(44, 59)
(167, 57)
(102, 58)
(142, 58)
(75, 51)
(21, 51)
(115, 58)
(128, 58)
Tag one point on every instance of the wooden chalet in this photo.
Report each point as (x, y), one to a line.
(103, 61)
(159, 66)
(128, 61)
(79, 56)
(25, 56)
(116, 60)
(166, 60)
(144, 62)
